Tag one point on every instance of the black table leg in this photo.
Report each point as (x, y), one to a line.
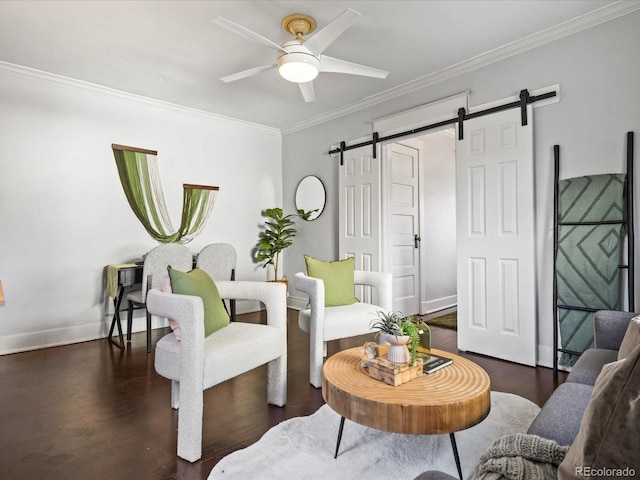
(455, 454)
(451, 437)
(339, 436)
(116, 320)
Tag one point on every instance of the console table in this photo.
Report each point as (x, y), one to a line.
(119, 277)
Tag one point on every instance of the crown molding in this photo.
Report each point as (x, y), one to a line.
(570, 27)
(40, 76)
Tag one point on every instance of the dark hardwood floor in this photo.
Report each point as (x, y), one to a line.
(90, 411)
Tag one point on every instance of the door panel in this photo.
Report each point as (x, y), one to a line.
(359, 216)
(495, 234)
(404, 227)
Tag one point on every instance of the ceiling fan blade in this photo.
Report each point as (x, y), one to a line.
(307, 91)
(246, 73)
(246, 33)
(335, 65)
(320, 40)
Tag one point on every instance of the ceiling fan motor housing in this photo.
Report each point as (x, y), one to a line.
(298, 24)
(298, 64)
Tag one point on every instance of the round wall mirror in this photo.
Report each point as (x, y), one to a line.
(310, 197)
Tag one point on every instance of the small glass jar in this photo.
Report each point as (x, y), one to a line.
(424, 347)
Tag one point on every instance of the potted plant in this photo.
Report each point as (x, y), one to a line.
(277, 235)
(394, 329)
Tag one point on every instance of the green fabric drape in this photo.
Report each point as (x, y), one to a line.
(138, 171)
(587, 266)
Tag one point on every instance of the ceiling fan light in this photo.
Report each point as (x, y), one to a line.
(298, 67)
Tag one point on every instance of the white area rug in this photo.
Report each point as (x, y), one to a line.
(303, 447)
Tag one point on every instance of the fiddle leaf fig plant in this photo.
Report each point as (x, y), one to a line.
(306, 215)
(277, 235)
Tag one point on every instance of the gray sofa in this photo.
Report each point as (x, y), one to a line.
(560, 417)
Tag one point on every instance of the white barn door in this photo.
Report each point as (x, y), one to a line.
(495, 237)
(360, 212)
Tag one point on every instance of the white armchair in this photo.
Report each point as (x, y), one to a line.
(196, 363)
(331, 323)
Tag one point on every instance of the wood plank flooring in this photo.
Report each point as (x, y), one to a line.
(90, 411)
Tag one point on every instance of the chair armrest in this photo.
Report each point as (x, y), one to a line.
(381, 281)
(609, 327)
(188, 313)
(314, 288)
(186, 310)
(272, 294)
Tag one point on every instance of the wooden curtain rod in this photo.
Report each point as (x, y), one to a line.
(201, 187)
(115, 146)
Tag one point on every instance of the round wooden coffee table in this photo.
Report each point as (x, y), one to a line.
(452, 399)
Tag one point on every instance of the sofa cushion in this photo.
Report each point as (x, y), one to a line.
(607, 440)
(434, 475)
(560, 417)
(609, 327)
(588, 366)
(631, 339)
(338, 278)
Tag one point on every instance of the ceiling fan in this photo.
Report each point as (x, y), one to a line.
(300, 60)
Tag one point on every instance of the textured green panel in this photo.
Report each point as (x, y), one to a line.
(592, 199)
(587, 265)
(576, 333)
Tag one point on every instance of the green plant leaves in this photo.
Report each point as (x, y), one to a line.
(277, 235)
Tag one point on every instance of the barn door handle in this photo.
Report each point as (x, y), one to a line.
(416, 239)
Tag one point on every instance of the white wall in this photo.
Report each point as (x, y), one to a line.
(63, 215)
(598, 73)
(438, 229)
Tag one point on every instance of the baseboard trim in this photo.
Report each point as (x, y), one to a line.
(85, 332)
(431, 306)
(297, 303)
(545, 358)
(23, 342)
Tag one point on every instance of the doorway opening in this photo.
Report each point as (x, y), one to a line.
(421, 223)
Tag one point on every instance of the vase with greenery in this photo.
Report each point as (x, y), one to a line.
(277, 235)
(395, 329)
(424, 332)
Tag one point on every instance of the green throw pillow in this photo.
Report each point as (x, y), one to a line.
(197, 282)
(337, 277)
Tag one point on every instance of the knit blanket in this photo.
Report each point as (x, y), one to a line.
(521, 456)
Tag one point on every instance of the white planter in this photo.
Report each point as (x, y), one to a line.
(398, 351)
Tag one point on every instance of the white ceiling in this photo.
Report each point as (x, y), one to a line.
(171, 51)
